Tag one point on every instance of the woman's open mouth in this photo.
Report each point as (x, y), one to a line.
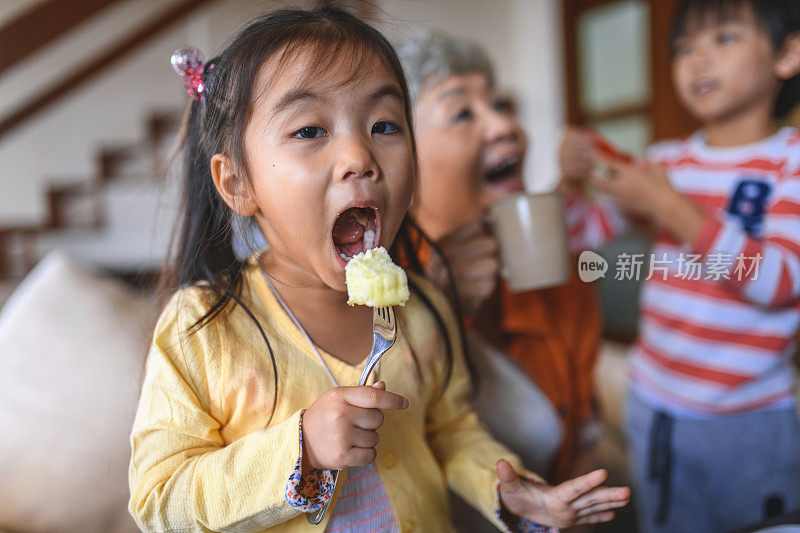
(507, 169)
(506, 174)
(356, 230)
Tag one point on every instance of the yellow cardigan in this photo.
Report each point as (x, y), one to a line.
(207, 457)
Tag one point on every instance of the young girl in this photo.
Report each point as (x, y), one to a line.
(248, 404)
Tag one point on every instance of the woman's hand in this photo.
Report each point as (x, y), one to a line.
(472, 253)
(339, 429)
(578, 501)
(577, 158)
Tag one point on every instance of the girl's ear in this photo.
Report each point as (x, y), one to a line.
(232, 187)
(788, 64)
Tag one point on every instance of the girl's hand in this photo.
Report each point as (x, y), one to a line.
(577, 501)
(339, 428)
(472, 253)
(644, 189)
(577, 158)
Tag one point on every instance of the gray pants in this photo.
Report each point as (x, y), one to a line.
(712, 475)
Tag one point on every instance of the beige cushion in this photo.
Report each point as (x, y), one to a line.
(611, 383)
(72, 347)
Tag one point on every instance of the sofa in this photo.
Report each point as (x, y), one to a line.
(72, 347)
(72, 351)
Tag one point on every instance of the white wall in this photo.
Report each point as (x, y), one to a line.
(521, 36)
(538, 77)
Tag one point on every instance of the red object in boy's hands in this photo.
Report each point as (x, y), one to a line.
(606, 149)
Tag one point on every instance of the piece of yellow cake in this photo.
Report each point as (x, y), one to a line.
(372, 279)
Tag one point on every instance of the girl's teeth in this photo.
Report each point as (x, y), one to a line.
(343, 256)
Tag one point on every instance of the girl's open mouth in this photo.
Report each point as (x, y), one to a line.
(356, 229)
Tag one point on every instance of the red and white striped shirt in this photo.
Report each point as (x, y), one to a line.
(707, 344)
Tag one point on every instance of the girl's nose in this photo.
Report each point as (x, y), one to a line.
(353, 159)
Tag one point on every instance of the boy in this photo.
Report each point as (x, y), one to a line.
(712, 423)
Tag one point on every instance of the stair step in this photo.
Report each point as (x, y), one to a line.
(74, 205)
(139, 217)
(148, 156)
(121, 220)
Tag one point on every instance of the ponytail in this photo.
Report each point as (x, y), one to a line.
(203, 250)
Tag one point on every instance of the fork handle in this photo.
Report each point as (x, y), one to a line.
(366, 372)
(315, 517)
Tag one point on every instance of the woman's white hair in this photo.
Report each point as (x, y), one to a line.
(432, 56)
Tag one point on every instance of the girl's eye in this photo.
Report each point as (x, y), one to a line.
(726, 37)
(464, 114)
(310, 132)
(385, 128)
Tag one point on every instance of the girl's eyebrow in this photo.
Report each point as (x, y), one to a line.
(292, 98)
(297, 96)
(390, 90)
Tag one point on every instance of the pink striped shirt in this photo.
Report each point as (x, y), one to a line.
(363, 505)
(708, 344)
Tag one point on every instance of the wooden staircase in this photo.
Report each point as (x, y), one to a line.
(83, 214)
(123, 178)
(110, 209)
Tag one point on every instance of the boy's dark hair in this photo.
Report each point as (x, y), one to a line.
(780, 20)
(203, 254)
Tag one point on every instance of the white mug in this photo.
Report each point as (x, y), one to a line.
(532, 232)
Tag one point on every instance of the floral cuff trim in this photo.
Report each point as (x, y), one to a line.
(514, 523)
(311, 492)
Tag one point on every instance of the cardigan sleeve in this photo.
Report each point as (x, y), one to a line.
(183, 476)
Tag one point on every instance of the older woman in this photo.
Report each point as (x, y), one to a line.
(471, 149)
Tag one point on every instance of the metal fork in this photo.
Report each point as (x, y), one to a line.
(384, 333)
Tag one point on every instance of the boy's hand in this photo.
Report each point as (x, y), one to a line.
(472, 253)
(339, 428)
(577, 157)
(639, 188)
(644, 189)
(577, 501)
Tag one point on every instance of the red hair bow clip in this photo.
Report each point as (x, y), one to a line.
(189, 63)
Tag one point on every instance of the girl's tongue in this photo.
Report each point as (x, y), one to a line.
(354, 231)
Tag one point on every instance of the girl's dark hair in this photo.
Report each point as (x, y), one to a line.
(406, 251)
(204, 253)
(780, 20)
